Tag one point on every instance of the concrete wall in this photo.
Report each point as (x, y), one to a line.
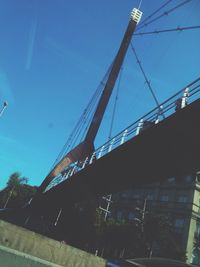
(10, 257)
(27, 242)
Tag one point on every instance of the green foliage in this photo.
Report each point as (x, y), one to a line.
(17, 192)
(154, 236)
(16, 180)
(161, 237)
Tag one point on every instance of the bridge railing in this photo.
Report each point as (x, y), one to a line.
(181, 99)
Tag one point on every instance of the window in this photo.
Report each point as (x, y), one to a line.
(179, 222)
(197, 232)
(195, 259)
(126, 194)
(164, 198)
(131, 215)
(182, 199)
(150, 196)
(119, 215)
(188, 178)
(179, 225)
(136, 196)
(171, 180)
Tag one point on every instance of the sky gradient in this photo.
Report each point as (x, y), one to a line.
(53, 55)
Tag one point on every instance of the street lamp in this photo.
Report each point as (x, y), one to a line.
(5, 104)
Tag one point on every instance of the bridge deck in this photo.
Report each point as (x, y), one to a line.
(167, 149)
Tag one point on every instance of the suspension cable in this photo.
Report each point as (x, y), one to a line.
(86, 120)
(169, 30)
(91, 110)
(82, 118)
(155, 12)
(140, 3)
(147, 81)
(91, 114)
(91, 107)
(165, 13)
(73, 137)
(75, 132)
(115, 104)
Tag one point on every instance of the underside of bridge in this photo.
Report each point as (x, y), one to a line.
(167, 149)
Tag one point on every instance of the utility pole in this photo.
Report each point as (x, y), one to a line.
(141, 221)
(108, 200)
(9, 196)
(142, 212)
(5, 104)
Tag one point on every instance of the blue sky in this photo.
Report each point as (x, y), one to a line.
(54, 53)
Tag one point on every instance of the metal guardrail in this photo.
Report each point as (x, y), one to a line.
(181, 99)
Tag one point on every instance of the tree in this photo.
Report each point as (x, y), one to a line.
(152, 236)
(161, 238)
(15, 180)
(17, 192)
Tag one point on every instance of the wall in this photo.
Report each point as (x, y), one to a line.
(36, 245)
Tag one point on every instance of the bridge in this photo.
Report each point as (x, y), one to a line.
(162, 144)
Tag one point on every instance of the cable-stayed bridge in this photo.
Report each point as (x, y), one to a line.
(163, 143)
(159, 145)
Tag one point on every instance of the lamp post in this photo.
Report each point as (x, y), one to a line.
(5, 104)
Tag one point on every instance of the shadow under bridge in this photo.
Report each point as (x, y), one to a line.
(167, 149)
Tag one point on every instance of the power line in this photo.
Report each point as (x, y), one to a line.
(169, 30)
(165, 13)
(140, 3)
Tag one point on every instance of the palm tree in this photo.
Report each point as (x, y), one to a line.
(14, 184)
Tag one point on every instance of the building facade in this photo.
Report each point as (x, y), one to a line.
(178, 198)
